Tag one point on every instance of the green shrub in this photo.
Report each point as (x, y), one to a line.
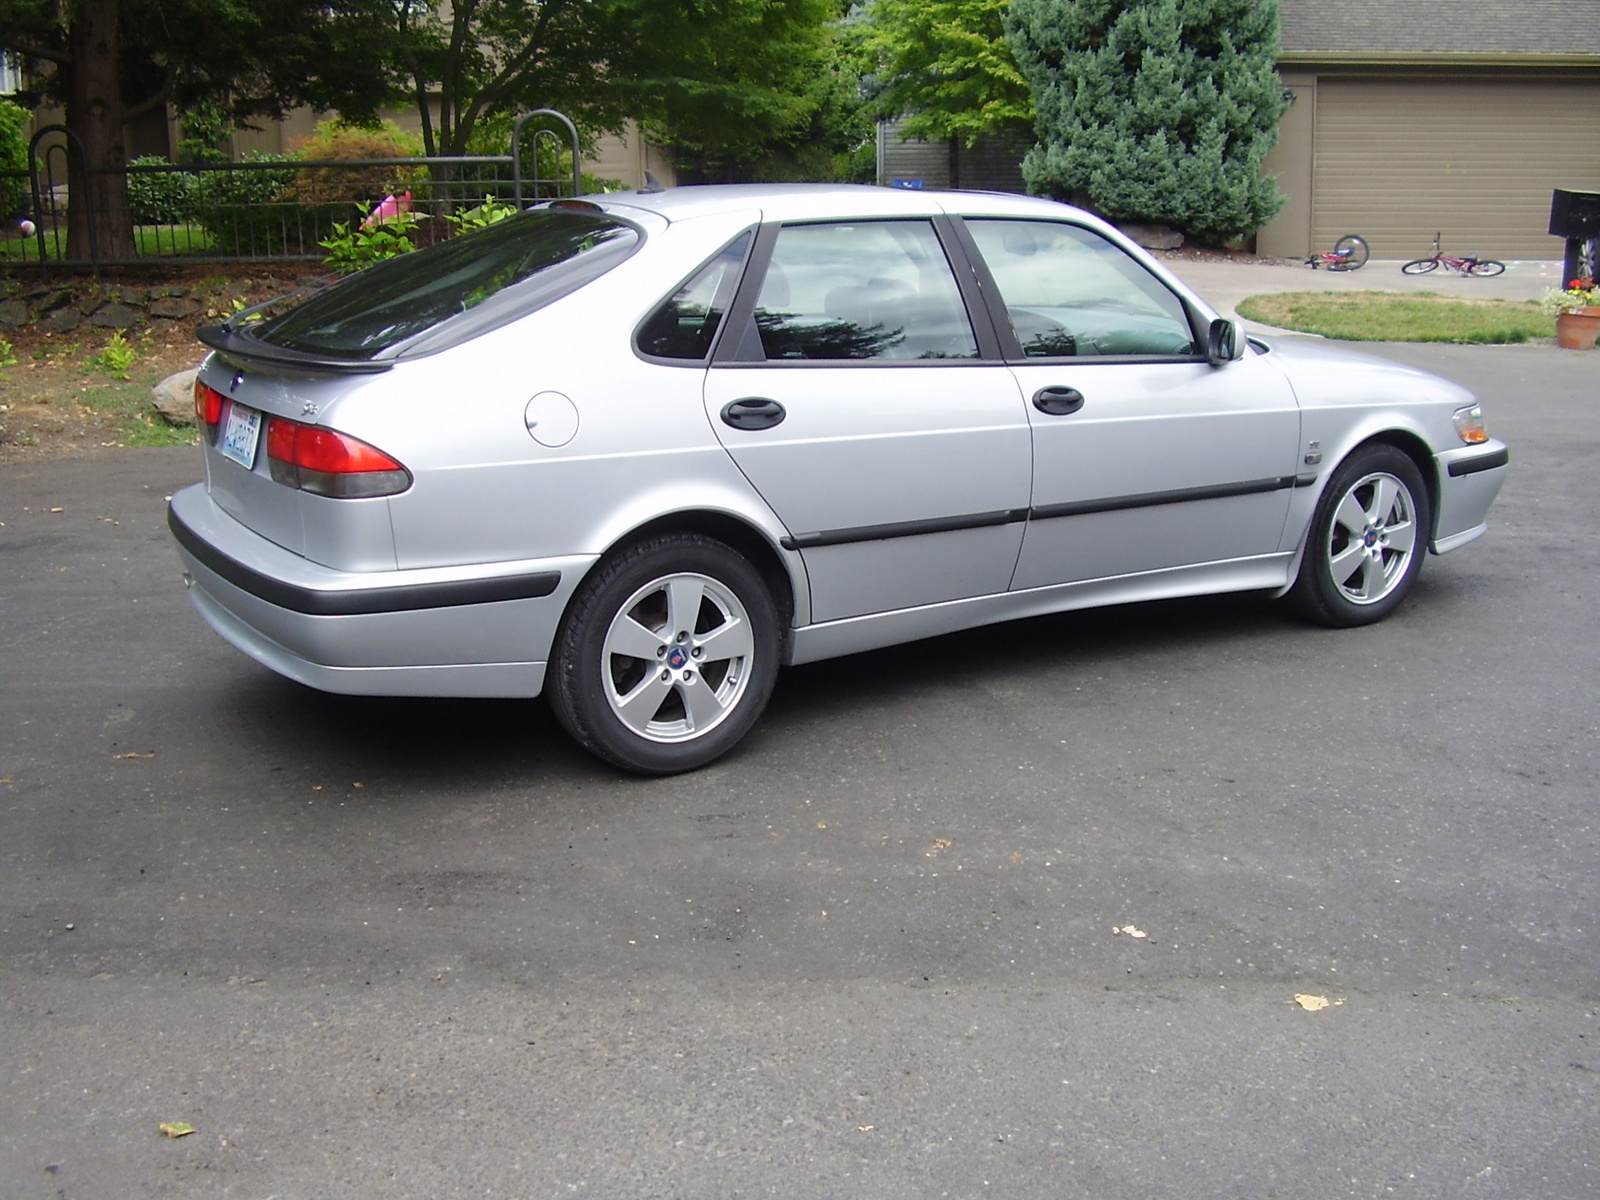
(490, 212)
(353, 245)
(13, 157)
(1154, 110)
(253, 212)
(205, 128)
(160, 197)
(335, 141)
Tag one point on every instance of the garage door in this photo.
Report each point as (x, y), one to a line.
(1396, 161)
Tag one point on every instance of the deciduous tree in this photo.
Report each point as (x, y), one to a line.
(945, 66)
(108, 61)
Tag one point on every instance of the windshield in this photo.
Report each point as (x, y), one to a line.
(528, 260)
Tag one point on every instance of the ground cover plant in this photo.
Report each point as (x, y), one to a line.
(1397, 317)
(88, 390)
(87, 393)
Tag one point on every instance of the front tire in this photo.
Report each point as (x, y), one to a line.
(1368, 537)
(1419, 266)
(667, 655)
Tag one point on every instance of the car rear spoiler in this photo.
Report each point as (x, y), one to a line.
(238, 344)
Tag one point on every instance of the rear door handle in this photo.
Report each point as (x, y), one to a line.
(753, 412)
(1058, 401)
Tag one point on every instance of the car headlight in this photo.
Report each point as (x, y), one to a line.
(1469, 425)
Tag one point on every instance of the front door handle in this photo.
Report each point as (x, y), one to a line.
(753, 412)
(1058, 401)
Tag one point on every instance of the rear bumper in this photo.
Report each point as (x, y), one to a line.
(443, 631)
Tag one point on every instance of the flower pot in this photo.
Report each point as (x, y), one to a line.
(1578, 330)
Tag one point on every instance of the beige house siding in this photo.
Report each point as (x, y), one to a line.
(626, 157)
(623, 157)
(1288, 235)
(1397, 161)
(993, 165)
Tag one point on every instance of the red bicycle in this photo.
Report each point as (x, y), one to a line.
(1471, 264)
(1349, 253)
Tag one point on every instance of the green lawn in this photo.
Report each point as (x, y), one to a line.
(153, 241)
(1400, 317)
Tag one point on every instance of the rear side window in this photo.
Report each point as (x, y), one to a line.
(862, 290)
(496, 273)
(685, 326)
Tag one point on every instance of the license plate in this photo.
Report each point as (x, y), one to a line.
(241, 435)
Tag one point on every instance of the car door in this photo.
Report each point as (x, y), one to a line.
(859, 403)
(1145, 456)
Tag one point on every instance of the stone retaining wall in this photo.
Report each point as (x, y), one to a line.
(69, 306)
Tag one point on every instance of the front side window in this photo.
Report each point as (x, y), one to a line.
(863, 290)
(1070, 292)
(685, 326)
(514, 266)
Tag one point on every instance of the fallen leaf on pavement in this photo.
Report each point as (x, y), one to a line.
(176, 1129)
(1315, 1003)
(1132, 931)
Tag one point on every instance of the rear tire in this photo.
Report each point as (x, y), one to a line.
(1367, 540)
(666, 656)
(1486, 268)
(1357, 256)
(1419, 266)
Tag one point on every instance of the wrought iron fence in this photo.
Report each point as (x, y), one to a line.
(268, 207)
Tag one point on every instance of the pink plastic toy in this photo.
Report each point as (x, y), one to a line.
(388, 209)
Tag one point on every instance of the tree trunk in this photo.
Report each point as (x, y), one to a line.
(99, 222)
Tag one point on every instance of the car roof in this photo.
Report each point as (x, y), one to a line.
(800, 201)
(753, 202)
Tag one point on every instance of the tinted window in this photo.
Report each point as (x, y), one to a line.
(1070, 292)
(865, 290)
(533, 258)
(685, 326)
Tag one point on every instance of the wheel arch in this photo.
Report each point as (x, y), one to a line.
(1417, 450)
(732, 531)
(1407, 442)
(1320, 593)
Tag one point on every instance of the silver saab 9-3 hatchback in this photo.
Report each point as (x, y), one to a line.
(638, 450)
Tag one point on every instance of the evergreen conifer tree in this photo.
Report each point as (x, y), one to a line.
(1155, 110)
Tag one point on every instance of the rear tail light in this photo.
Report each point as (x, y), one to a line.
(329, 463)
(208, 404)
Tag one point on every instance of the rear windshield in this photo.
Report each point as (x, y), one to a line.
(508, 269)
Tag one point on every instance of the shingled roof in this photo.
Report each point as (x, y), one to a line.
(1440, 27)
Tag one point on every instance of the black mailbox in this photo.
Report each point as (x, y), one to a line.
(1574, 214)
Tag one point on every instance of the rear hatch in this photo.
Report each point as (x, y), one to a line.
(276, 374)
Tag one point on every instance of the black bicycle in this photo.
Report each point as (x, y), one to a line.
(1471, 264)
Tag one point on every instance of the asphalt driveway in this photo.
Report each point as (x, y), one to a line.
(1022, 912)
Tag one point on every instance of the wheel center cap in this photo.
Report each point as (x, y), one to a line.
(677, 657)
(1371, 538)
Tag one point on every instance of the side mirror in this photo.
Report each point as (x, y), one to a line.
(1224, 342)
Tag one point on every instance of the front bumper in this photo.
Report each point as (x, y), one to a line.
(479, 630)
(1468, 481)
